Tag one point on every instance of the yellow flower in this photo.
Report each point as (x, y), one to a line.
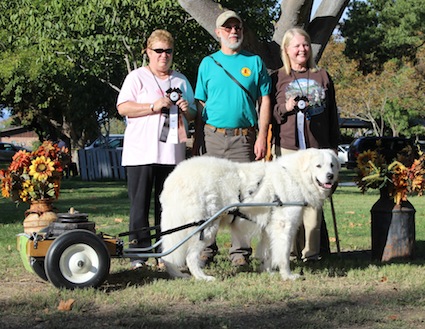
(365, 159)
(6, 186)
(41, 168)
(34, 175)
(27, 189)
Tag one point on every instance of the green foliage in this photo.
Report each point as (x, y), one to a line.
(116, 126)
(63, 62)
(391, 98)
(379, 30)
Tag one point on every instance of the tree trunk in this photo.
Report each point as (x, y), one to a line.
(294, 13)
(324, 22)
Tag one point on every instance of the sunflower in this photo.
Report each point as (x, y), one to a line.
(365, 159)
(26, 191)
(34, 175)
(41, 168)
(20, 160)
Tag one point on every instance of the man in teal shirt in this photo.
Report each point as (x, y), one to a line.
(233, 89)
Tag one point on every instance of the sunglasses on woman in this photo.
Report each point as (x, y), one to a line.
(160, 51)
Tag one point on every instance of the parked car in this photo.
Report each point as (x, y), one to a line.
(113, 141)
(343, 153)
(8, 150)
(388, 146)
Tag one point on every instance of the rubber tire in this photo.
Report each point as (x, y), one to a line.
(64, 257)
(37, 266)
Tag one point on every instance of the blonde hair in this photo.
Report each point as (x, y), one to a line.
(285, 43)
(159, 35)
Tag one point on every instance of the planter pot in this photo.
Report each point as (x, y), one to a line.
(393, 229)
(39, 215)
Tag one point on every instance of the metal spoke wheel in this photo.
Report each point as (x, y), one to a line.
(77, 259)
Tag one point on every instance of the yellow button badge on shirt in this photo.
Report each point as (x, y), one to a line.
(246, 72)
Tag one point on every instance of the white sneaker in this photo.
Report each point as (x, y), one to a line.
(135, 264)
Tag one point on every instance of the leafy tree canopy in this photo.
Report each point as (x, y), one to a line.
(379, 30)
(391, 100)
(62, 62)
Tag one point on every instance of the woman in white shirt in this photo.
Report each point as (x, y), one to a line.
(157, 103)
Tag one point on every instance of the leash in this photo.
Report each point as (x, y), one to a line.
(173, 230)
(338, 248)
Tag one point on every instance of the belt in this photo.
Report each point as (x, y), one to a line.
(231, 131)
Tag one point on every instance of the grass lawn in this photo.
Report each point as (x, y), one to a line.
(346, 290)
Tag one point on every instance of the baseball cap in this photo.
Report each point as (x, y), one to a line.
(226, 16)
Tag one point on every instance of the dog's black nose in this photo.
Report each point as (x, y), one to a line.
(330, 176)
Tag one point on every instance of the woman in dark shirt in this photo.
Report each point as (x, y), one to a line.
(304, 115)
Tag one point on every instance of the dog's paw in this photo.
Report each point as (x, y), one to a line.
(207, 278)
(183, 276)
(290, 276)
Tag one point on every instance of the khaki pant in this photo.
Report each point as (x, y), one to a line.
(238, 149)
(307, 242)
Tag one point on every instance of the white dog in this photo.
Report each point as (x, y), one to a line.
(200, 187)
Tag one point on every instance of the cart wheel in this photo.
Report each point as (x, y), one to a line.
(77, 259)
(37, 266)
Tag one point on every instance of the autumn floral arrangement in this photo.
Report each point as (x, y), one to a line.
(402, 176)
(34, 175)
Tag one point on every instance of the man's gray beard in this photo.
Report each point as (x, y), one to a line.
(231, 45)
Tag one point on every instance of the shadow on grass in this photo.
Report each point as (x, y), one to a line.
(221, 268)
(335, 265)
(128, 278)
(338, 265)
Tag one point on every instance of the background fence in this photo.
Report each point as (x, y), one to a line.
(98, 164)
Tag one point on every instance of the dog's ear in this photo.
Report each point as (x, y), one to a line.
(335, 160)
(338, 163)
(306, 159)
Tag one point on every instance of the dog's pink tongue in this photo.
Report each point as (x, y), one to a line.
(327, 185)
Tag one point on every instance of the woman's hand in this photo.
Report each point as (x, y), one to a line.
(290, 104)
(183, 105)
(159, 104)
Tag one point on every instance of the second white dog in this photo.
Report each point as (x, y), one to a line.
(200, 187)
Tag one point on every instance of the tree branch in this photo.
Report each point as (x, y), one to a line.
(205, 12)
(127, 60)
(82, 67)
(294, 13)
(323, 24)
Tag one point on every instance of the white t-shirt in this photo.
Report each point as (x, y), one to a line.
(141, 139)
